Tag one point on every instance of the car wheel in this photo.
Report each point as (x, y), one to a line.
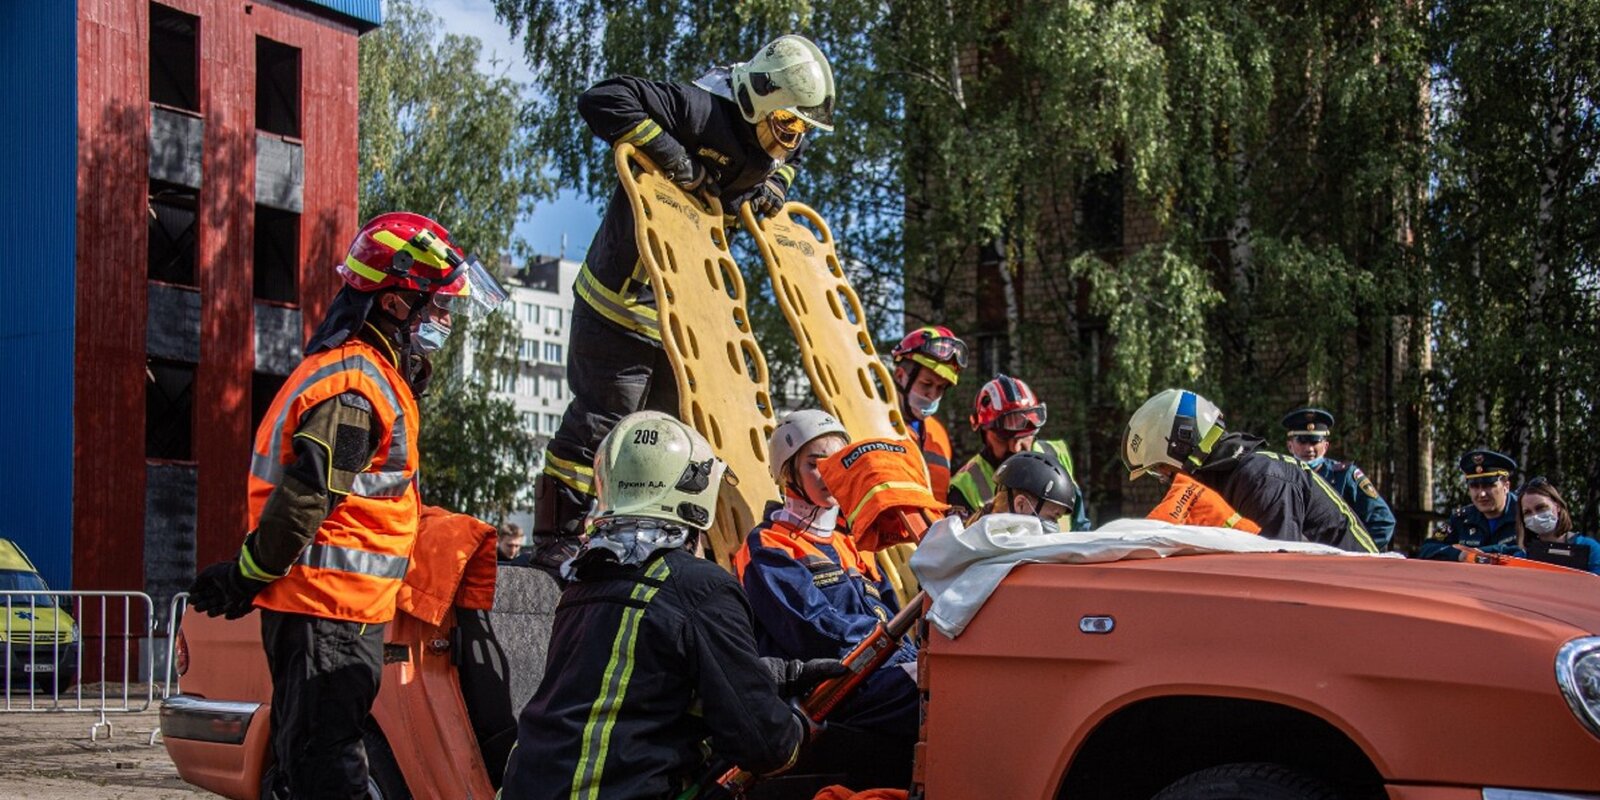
(384, 779)
(1248, 782)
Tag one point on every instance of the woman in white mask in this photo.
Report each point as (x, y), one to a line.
(1544, 515)
(811, 591)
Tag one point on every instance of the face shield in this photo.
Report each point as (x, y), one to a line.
(473, 293)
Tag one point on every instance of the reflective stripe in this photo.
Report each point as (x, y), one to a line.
(1352, 523)
(786, 173)
(347, 559)
(430, 257)
(571, 473)
(363, 270)
(250, 569)
(935, 459)
(269, 466)
(614, 686)
(624, 310)
(381, 484)
(641, 134)
(880, 487)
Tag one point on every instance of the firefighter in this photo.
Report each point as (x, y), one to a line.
(736, 132)
(333, 503)
(927, 363)
(1009, 416)
(1308, 430)
(1183, 431)
(814, 595)
(1489, 522)
(1034, 484)
(651, 650)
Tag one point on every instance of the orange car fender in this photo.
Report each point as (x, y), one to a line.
(447, 764)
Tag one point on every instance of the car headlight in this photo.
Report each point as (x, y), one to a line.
(1578, 675)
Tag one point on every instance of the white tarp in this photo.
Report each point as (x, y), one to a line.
(960, 567)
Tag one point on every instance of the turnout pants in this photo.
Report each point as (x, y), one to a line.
(612, 374)
(324, 680)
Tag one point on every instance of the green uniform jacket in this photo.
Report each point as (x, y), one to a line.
(973, 486)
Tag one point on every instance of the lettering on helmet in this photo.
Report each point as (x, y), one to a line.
(1135, 441)
(645, 436)
(626, 485)
(870, 447)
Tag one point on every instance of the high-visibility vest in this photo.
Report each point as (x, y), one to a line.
(936, 453)
(975, 482)
(353, 567)
(1189, 502)
(801, 546)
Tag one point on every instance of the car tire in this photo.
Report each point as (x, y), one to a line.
(384, 781)
(1248, 782)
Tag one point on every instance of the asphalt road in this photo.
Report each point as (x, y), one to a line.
(48, 755)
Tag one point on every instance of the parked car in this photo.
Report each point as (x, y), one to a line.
(41, 637)
(1307, 677)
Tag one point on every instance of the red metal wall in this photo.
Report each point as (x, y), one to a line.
(114, 120)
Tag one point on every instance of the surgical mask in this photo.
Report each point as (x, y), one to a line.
(1316, 463)
(1541, 523)
(430, 336)
(922, 405)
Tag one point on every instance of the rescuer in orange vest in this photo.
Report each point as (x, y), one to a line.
(1189, 502)
(333, 505)
(927, 362)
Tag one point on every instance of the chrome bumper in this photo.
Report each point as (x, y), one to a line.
(186, 716)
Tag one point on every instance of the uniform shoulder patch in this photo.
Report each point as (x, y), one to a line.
(1363, 482)
(1440, 533)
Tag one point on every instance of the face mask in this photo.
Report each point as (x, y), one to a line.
(430, 336)
(922, 405)
(1316, 463)
(1541, 523)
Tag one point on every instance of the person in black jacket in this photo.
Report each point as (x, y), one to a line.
(1179, 430)
(736, 132)
(652, 651)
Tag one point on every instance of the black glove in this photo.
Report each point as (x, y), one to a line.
(221, 589)
(675, 162)
(795, 677)
(766, 199)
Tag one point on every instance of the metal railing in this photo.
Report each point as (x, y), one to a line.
(56, 640)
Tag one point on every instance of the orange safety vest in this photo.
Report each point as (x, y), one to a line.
(937, 453)
(801, 545)
(1189, 502)
(353, 567)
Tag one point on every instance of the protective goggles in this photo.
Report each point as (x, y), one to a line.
(787, 128)
(945, 350)
(1022, 420)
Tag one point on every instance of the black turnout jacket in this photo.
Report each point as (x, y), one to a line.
(1281, 494)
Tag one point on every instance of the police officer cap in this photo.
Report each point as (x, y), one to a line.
(1308, 422)
(1486, 465)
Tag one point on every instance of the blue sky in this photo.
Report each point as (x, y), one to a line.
(568, 217)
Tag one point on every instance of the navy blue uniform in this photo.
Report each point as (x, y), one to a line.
(1357, 491)
(1468, 526)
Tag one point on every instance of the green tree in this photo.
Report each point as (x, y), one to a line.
(1513, 237)
(440, 137)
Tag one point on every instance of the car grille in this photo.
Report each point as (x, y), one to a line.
(25, 636)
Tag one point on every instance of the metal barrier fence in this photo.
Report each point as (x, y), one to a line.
(79, 651)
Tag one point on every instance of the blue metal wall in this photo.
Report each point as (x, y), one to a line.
(38, 154)
(363, 11)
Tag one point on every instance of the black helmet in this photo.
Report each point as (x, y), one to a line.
(1038, 475)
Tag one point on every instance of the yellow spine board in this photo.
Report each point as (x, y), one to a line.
(847, 375)
(705, 328)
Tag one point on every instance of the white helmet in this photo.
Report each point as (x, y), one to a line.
(796, 431)
(1176, 427)
(652, 465)
(788, 74)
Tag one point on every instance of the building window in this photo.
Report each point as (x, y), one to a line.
(174, 58)
(552, 422)
(277, 255)
(263, 390)
(533, 313)
(553, 317)
(552, 353)
(172, 234)
(277, 88)
(169, 410)
(1098, 212)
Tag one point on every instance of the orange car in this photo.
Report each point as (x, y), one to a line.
(1167, 678)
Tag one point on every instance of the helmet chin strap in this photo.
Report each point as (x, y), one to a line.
(413, 364)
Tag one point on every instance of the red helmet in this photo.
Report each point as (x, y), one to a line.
(401, 250)
(1006, 405)
(934, 347)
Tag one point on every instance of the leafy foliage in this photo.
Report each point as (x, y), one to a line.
(440, 137)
